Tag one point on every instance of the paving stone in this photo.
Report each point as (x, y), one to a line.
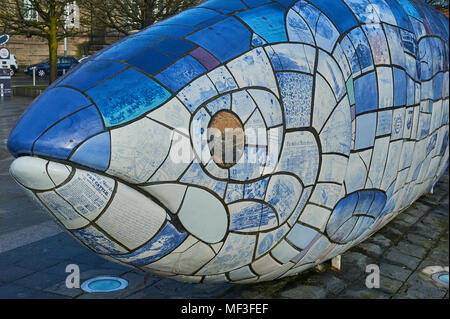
(354, 265)
(400, 225)
(420, 241)
(330, 282)
(408, 219)
(170, 289)
(418, 288)
(62, 290)
(391, 233)
(40, 280)
(396, 256)
(370, 249)
(411, 249)
(394, 272)
(12, 272)
(89, 258)
(38, 263)
(304, 292)
(389, 285)
(417, 209)
(424, 230)
(355, 293)
(380, 240)
(438, 222)
(438, 257)
(12, 291)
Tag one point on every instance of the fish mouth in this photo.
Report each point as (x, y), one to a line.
(107, 214)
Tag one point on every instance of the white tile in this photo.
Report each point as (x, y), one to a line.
(208, 221)
(138, 149)
(254, 69)
(170, 195)
(132, 219)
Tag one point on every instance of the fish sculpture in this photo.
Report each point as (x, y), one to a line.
(244, 140)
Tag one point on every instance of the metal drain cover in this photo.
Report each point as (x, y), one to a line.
(438, 275)
(104, 284)
(441, 278)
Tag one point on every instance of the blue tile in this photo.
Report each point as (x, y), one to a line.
(286, 3)
(296, 91)
(256, 190)
(301, 236)
(438, 85)
(267, 21)
(120, 104)
(384, 125)
(366, 93)
(365, 199)
(343, 211)
(354, 214)
(410, 9)
(56, 104)
(172, 45)
(92, 73)
(232, 5)
(128, 46)
(181, 73)
(379, 201)
(411, 92)
(225, 39)
(99, 243)
(255, 3)
(167, 240)
(362, 47)
(61, 139)
(94, 153)
(400, 15)
(338, 12)
(399, 87)
(248, 217)
(190, 17)
(169, 30)
(365, 130)
(350, 52)
(150, 61)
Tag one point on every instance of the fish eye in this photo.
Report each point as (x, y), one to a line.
(226, 139)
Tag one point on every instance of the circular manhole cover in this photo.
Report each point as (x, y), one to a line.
(104, 284)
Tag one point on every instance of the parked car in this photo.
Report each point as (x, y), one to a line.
(84, 58)
(43, 68)
(13, 63)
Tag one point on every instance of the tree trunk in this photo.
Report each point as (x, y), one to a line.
(148, 13)
(53, 49)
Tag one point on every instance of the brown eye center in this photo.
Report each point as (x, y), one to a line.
(226, 139)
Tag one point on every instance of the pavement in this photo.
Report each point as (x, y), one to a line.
(25, 80)
(34, 253)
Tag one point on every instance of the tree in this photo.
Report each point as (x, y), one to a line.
(125, 16)
(438, 3)
(46, 19)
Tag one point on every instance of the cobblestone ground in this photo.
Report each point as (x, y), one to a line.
(416, 239)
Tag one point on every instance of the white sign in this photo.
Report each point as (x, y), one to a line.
(4, 53)
(72, 16)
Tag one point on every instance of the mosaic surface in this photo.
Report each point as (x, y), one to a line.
(347, 100)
